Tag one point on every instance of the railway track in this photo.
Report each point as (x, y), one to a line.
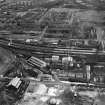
(39, 49)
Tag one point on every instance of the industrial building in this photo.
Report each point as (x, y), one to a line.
(52, 52)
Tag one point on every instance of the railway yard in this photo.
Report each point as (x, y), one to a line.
(52, 52)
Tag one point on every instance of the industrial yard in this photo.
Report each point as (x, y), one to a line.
(52, 52)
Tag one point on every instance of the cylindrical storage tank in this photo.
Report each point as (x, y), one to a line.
(41, 89)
